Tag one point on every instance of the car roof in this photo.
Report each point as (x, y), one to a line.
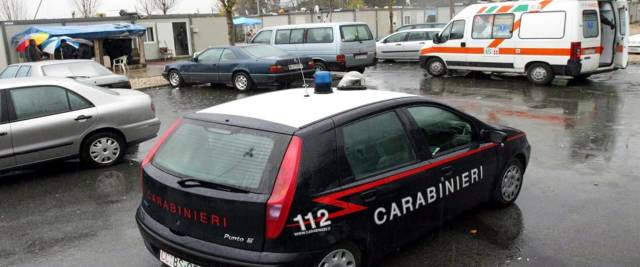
(313, 25)
(292, 108)
(35, 81)
(51, 62)
(422, 30)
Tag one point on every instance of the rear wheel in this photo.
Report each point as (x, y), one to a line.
(540, 73)
(320, 66)
(242, 81)
(341, 256)
(102, 149)
(360, 69)
(508, 185)
(435, 67)
(175, 79)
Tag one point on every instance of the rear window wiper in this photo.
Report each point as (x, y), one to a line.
(190, 182)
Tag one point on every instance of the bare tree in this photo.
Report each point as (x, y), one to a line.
(227, 6)
(86, 8)
(165, 5)
(146, 6)
(12, 10)
(391, 3)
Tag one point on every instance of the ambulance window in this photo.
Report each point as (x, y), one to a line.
(443, 130)
(590, 23)
(481, 27)
(457, 30)
(503, 26)
(376, 144)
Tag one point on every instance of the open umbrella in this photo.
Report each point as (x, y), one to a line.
(39, 37)
(50, 45)
(83, 41)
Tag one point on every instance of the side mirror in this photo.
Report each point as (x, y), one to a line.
(496, 137)
(436, 38)
(195, 59)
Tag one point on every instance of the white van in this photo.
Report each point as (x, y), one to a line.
(333, 46)
(540, 38)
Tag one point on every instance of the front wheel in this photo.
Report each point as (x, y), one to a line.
(341, 256)
(509, 184)
(175, 79)
(540, 74)
(102, 149)
(435, 67)
(242, 81)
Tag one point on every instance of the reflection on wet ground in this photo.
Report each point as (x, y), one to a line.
(579, 205)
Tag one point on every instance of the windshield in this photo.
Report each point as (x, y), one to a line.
(230, 156)
(76, 69)
(261, 51)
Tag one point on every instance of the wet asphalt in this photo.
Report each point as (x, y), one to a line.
(580, 204)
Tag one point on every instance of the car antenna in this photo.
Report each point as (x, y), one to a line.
(304, 82)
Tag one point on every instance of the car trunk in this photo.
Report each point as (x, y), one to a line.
(294, 64)
(358, 45)
(212, 182)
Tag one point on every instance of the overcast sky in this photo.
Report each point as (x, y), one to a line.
(63, 8)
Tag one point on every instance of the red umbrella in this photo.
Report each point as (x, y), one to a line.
(39, 37)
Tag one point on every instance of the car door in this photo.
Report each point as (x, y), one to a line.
(205, 70)
(453, 46)
(415, 41)
(621, 57)
(47, 122)
(7, 158)
(392, 47)
(378, 164)
(228, 63)
(464, 165)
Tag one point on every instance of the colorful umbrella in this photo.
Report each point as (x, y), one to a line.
(39, 37)
(50, 45)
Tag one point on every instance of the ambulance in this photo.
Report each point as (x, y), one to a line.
(541, 39)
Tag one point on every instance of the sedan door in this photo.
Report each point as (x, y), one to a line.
(7, 159)
(415, 41)
(205, 70)
(228, 63)
(47, 122)
(392, 46)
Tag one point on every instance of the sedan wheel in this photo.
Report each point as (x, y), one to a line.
(174, 78)
(338, 258)
(242, 81)
(508, 186)
(102, 149)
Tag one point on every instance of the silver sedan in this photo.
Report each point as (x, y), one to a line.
(45, 119)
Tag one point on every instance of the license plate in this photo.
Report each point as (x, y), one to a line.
(295, 66)
(361, 56)
(174, 261)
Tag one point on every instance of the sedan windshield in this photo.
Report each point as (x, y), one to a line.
(260, 51)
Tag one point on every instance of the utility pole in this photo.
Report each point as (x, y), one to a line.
(258, 5)
(452, 10)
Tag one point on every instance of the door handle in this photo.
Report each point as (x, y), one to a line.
(83, 117)
(463, 44)
(448, 170)
(398, 44)
(421, 43)
(369, 196)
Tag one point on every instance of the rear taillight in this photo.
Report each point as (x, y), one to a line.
(284, 189)
(341, 59)
(576, 48)
(156, 146)
(311, 64)
(275, 69)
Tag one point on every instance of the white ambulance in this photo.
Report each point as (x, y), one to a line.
(541, 39)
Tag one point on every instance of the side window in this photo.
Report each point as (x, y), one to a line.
(353, 33)
(297, 36)
(398, 37)
(76, 102)
(590, 28)
(503, 26)
(457, 30)
(320, 35)
(364, 34)
(417, 36)
(38, 102)
(210, 56)
(482, 26)
(282, 36)
(25, 71)
(9, 72)
(446, 32)
(442, 129)
(376, 144)
(227, 55)
(263, 37)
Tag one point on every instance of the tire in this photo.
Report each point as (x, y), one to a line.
(388, 61)
(436, 67)
(540, 74)
(360, 69)
(102, 149)
(508, 185)
(175, 79)
(242, 81)
(342, 255)
(320, 66)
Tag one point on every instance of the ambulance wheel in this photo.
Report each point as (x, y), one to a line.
(436, 67)
(540, 73)
(346, 255)
(509, 184)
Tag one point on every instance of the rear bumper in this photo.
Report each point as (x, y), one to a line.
(282, 78)
(158, 237)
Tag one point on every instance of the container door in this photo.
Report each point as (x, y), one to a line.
(166, 38)
(622, 45)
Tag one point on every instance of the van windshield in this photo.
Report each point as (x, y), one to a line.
(229, 156)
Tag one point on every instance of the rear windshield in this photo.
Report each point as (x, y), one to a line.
(260, 51)
(354, 33)
(225, 155)
(76, 69)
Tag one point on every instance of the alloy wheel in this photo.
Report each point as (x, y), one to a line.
(241, 82)
(511, 183)
(338, 258)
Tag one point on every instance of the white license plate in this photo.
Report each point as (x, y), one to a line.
(361, 56)
(295, 66)
(174, 261)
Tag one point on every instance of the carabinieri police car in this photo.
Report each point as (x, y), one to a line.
(331, 177)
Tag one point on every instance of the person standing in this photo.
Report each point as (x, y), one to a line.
(33, 53)
(65, 51)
